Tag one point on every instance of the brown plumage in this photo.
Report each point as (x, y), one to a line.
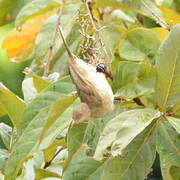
(94, 91)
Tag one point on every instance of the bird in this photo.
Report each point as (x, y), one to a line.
(92, 87)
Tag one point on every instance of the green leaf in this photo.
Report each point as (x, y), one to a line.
(176, 109)
(87, 135)
(74, 139)
(43, 173)
(175, 122)
(168, 145)
(40, 83)
(32, 124)
(135, 161)
(3, 157)
(55, 111)
(6, 7)
(12, 104)
(110, 36)
(122, 129)
(59, 128)
(51, 150)
(133, 79)
(80, 167)
(34, 8)
(139, 44)
(168, 75)
(144, 7)
(45, 37)
(5, 134)
(174, 171)
(168, 171)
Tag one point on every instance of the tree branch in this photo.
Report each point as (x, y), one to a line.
(50, 51)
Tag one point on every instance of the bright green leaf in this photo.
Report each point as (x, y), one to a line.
(51, 150)
(12, 104)
(43, 173)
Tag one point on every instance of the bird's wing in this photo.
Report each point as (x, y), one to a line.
(87, 91)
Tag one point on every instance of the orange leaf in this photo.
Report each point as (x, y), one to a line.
(20, 42)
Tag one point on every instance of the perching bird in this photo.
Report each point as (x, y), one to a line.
(95, 93)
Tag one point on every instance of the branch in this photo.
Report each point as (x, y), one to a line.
(50, 51)
(47, 164)
(96, 31)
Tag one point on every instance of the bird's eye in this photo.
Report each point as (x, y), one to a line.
(101, 68)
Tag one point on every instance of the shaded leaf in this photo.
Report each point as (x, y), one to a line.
(168, 145)
(122, 129)
(5, 134)
(133, 79)
(6, 7)
(174, 171)
(74, 140)
(139, 44)
(12, 104)
(80, 167)
(45, 37)
(168, 74)
(3, 157)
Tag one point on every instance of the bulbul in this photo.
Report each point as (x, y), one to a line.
(94, 91)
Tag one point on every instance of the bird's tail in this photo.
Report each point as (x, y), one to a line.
(65, 43)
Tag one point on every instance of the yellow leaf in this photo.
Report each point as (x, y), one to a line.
(161, 32)
(171, 17)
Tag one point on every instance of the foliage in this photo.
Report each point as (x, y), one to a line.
(143, 44)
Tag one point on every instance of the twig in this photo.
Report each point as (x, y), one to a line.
(47, 164)
(96, 31)
(50, 51)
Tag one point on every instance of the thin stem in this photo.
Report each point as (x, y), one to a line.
(96, 31)
(47, 164)
(50, 51)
